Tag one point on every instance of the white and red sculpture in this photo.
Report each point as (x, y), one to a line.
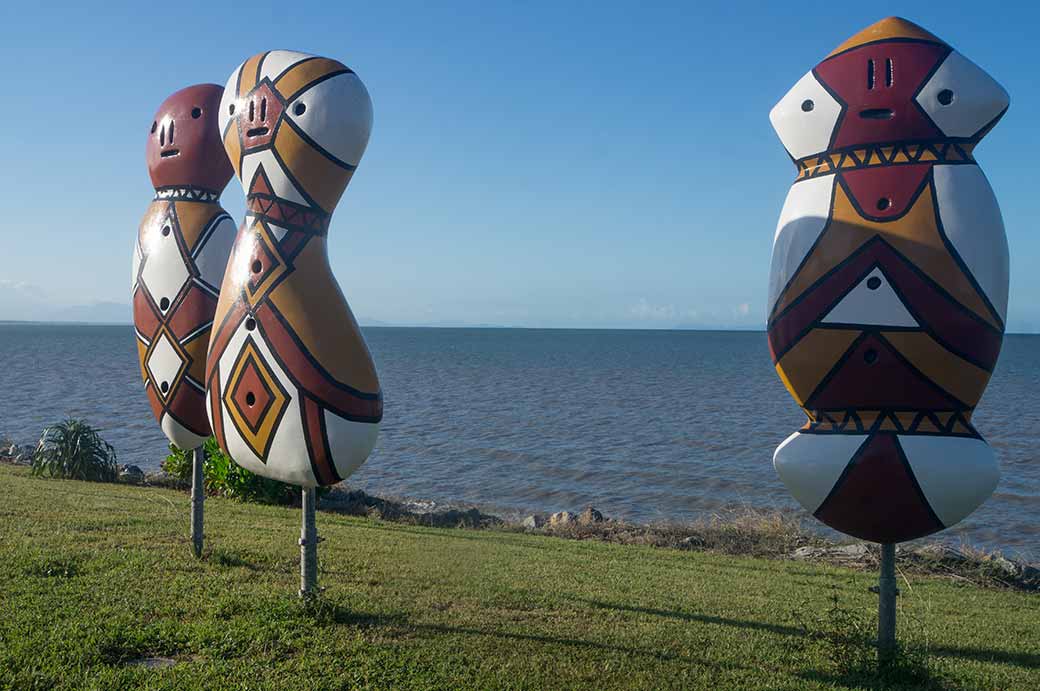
(889, 284)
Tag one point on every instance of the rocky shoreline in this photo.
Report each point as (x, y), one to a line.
(745, 533)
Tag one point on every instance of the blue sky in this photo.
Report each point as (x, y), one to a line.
(544, 164)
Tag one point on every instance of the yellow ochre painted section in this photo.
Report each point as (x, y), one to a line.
(887, 29)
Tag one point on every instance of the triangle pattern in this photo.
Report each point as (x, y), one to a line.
(872, 302)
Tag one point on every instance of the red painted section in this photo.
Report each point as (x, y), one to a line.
(188, 405)
(195, 153)
(886, 192)
(194, 311)
(874, 376)
(221, 336)
(145, 318)
(313, 428)
(217, 419)
(877, 499)
(848, 76)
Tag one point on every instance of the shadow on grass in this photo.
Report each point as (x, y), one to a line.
(577, 643)
(704, 618)
(1004, 657)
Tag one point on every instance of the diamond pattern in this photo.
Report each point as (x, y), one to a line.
(164, 269)
(255, 399)
(166, 363)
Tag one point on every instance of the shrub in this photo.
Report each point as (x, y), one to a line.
(226, 478)
(73, 449)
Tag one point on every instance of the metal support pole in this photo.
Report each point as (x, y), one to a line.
(308, 547)
(887, 593)
(198, 495)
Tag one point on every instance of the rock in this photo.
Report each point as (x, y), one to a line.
(131, 474)
(533, 522)
(691, 542)
(854, 552)
(561, 518)
(937, 551)
(590, 515)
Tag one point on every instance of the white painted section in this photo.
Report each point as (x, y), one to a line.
(277, 231)
(212, 258)
(280, 184)
(956, 474)
(810, 464)
(351, 442)
(163, 363)
(227, 99)
(977, 97)
(135, 266)
(971, 219)
(277, 61)
(338, 116)
(874, 307)
(805, 132)
(179, 435)
(802, 219)
(164, 271)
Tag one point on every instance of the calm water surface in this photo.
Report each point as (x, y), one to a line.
(646, 425)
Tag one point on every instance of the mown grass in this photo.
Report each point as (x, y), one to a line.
(96, 577)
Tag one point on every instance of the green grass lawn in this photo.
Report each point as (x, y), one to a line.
(96, 576)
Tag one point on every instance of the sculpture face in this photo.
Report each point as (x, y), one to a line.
(184, 145)
(179, 259)
(888, 289)
(293, 393)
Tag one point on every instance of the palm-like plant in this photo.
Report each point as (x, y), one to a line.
(73, 449)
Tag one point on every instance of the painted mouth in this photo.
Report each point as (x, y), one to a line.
(877, 114)
(170, 152)
(257, 132)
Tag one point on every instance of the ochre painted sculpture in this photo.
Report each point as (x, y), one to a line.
(179, 259)
(889, 284)
(292, 390)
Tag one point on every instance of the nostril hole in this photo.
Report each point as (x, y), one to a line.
(873, 282)
(250, 399)
(164, 304)
(884, 203)
(257, 266)
(162, 136)
(172, 125)
(165, 230)
(155, 126)
(870, 357)
(945, 97)
(164, 387)
(231, 109)
(263, 110)
(196, 113)
(250, 324)
(252, 110)
(301, 108)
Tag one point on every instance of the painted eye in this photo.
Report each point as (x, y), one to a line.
(231, 109)
(155, 126)
(805, 117)
(196, 113)
(975, 104)
(299, 109)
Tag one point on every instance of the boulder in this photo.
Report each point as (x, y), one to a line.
(533, 522)
(590, 515)
(131, 474)
(561, 518)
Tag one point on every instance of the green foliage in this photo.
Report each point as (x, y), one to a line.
(846, 638)
(226, 478)
(73, 449)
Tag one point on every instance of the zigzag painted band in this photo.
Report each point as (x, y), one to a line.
(287, 214)
(950, 423)
(176, 193)
(857, 158)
